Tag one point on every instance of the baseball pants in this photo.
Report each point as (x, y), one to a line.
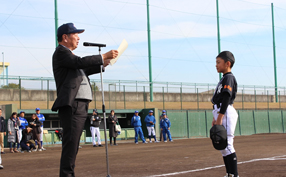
(2, 141)
(151, 130)
(165, 130)
(229, 122)
(95, 131)
(72, 120)
(138, 130)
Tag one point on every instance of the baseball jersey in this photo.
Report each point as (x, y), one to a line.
(41, 118)
(24, 123)
(165, 123)
(149, 118)
(96, 122)
(136, 121)
(226, 84)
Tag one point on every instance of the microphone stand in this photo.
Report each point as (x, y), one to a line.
(104, 117)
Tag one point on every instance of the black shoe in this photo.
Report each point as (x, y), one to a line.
(100, 145)
(3, 153)
(95, 145)
(115, 144)
(111, 144)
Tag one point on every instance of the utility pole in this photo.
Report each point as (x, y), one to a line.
(56, 21)
(149, 54)
(218, 32)
(274, 53)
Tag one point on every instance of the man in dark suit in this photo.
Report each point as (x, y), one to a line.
(73, 91)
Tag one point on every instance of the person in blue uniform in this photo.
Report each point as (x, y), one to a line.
(41, 119)
(23, 125)
(136, 123)
(150, 122)
(165, 125)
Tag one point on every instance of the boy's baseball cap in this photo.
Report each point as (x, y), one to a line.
(94, 110)
(150, 111)
(68, 28)
(218, 136)
(22, 112)
(164, 111)
(38, 109)
(136, 112)
(164, 114)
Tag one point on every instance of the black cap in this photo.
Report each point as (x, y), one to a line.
(94, 110)
(227, 56)
(68, 28)
(218, 136)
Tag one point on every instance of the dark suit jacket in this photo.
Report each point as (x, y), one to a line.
(67, 75)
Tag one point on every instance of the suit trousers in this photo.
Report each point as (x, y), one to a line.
(72, 121)
(2, 141)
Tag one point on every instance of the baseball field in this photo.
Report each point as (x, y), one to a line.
(261, 155)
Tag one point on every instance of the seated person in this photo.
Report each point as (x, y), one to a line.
(27, 143)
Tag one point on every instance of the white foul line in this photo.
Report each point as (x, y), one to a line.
(218, 166)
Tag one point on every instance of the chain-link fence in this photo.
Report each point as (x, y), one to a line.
(31, 92)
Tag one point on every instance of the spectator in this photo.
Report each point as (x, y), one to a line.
(112, 120)
(165, 125)
(94, 128)
(27, 142)
(136, 123)
(161, 117)
(2, 132)
(42, 119)
(13, 127)
(150, 122)
(35, 124)
(23, 125)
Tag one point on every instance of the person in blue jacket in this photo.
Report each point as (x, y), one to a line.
(42, 119)
(165, 125)
(136, 123)
(23, 125)
(150, 122)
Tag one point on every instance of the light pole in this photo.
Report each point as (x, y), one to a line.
(3, 70)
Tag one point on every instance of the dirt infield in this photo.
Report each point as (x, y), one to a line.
(261, 155)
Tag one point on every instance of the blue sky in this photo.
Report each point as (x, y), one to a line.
(184, 37)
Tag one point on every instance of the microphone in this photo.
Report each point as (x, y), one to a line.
(93, 44)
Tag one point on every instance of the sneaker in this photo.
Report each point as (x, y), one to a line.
(29, 151)
(100, 145)
(157, 141)
(136, 143)
(171, 141)
(115, 144)
(39, 150)
(78, 147)
(145, 142)
(3, 153)
(1, 167)
(43, 149)
(165, 141)
(34, 150)
(21, 151)
(150, 141)
(95, 145)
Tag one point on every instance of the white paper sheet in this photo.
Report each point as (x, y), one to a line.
(123, 46)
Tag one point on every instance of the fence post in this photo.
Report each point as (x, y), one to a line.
(124, 96)
(279, 100)
(163, 98)
(167, 87)
(136, 86)
(181, 97)
(20, 92)
(119, 86)
(198, 103)
(267, 99)
(48, 83)
(109, 95)
(255, 100)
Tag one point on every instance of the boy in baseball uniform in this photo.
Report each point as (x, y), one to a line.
(223, 111)
(150, 122)
(95, 121)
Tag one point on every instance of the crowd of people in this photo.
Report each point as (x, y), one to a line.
(112, 121)
(23, 135)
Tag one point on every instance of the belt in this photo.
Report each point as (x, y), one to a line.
(83, 100)
(216, 105)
